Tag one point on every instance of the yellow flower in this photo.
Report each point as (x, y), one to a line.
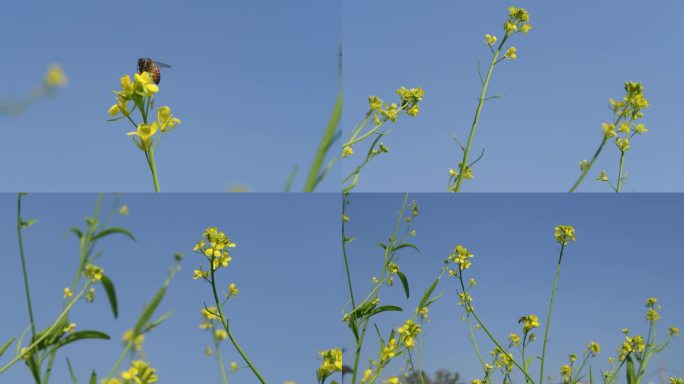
(200, 274)
(529, 322)
(594, 347)
(137, 341)
(144, 85)
(652, 315)
(510, 27)
(389, 350)
(572, 358)
(651, 301)
(676, 380)
(233, 290)
(564, 234)
(123, 210)
(511, 53)
(375, 103)
(413, 111)
(526, 28)
(145, 132)
(25, 355)
(514, 339)
(90, 295)
(332, 362)
(392, 380)
(67, 292)
(140, 372)
(347, 151)
(423, 313)
(220, 334)
(93, 273)
(55, 77)
(121, 106)
(366, 375)
(461, 256)
(602, 176)
(210, 313)
(490, 40)
(166, 119)
(391, 112)
(234, 366)
(408, 332)
(623, 144)
(584, 164)
(452, 172)
(565, 370)
(608, 130)
(673, 331)
(127, 87)
(69, 328)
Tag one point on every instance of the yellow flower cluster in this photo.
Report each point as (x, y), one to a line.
(594, 347)
(461, 256)
(631, 344)
(529, 322)
(564, 234)
(518, 21)
(140, 372)
(93, 273)
(332, 362)
(514, 339)
(409, 100)
(502, 359)
(408, 332)
(214, 246)
(140, 92)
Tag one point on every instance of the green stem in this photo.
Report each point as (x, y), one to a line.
(222, 366)
(470, 326)
(344, 251)
(588, 167)
(153, 168)
(23, 267)
(548, 317)
(619, 180)
(118, 362)
(357, 354)
(473, 128)
(224, 322)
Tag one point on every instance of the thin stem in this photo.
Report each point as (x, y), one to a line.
(470, 327)
(619, 180)
(153, 168)
(224, 322)
(118, 362)
(548, 317)
(23, 267)
(222, 366)
(357, 354)
(344, 251)
(473, 128)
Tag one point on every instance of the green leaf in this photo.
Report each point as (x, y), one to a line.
(111, 294)
(158, 322)
(76, 231)
(404, 282)
(405, 245)
(631, 372)
(384, 308)
(528, 362)
(28, 223)
(112, 230)
(71, 371)
(428, 292)
(6, 345)
(149, 311)
(82, 335)
(93, 378)
(429, 302)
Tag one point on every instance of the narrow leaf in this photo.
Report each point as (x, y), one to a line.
(405, 245)
(82, 335)
(158, 322)
(76, 231)
(149, 311)
(631, 372)
(384, 308)
(71, 372)
(428, 292)
(404, 282)
(111, 294)
(6, 345)
(112, 230)
(93, 378)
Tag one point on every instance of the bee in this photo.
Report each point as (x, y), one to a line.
(145, 64)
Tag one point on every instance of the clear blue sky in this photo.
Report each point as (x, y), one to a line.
(577, 56)
(253, 82)
(286, 266)
(628, 248)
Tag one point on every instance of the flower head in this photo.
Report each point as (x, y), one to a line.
(332, 362)
(165, 119)
(564, 234)
(55, 77)
(145, 132)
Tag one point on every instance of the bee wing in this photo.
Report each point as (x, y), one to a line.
(162, 65)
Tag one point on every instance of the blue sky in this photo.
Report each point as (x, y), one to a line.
(253, 82)
(627, 249)
(577, 56)
(286, 266)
